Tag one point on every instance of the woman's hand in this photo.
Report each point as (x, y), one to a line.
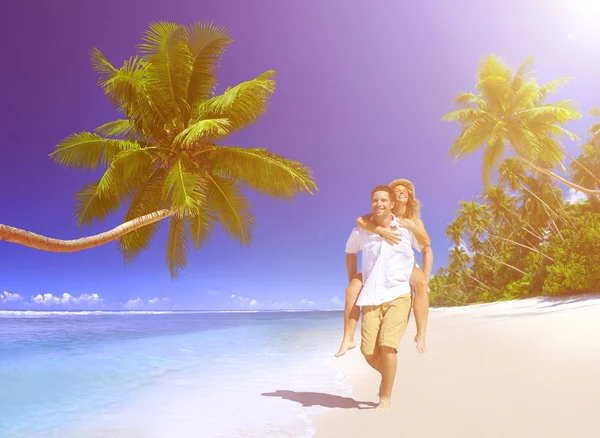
(391, 237)
(407, 223)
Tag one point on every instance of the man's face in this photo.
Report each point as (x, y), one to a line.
(401, 194)
(381, 204)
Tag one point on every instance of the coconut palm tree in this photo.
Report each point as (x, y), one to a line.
(514, 176)
(475, 218)
(165, 158)
(590, 159)
(511, 110)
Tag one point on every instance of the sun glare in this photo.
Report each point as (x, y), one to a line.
(583, 16)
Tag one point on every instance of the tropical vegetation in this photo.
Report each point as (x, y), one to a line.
(164, 160)
(520, 237)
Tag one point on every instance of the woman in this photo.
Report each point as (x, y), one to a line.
(407, 210)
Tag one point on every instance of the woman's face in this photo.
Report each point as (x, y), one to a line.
(401, 193)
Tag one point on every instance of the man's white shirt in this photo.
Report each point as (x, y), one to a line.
(386, 268)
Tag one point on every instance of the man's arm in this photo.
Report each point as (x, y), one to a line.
(351, 265)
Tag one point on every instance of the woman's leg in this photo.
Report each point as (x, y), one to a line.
(420, 306)
(351, 314)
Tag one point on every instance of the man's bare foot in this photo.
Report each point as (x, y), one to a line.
(420, 340)
(346, 345)
(385, 404)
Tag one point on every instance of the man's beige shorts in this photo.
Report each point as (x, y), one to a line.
(384, 325)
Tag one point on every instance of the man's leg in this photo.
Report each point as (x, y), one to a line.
(421, 306)
(370, 327)
(389, 364)
(375, 361)
(393, 326)
(351, 315)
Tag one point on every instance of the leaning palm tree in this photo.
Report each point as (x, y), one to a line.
(475, 219)
(511, 110)
(590, 159)
(165, 158)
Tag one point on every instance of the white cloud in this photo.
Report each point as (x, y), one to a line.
(576, 197)
(45, 300)
(336, 301)
(306, 302)
(245, 301)
(138, 303)
(66, 300)
(5, 297)
(156, 301)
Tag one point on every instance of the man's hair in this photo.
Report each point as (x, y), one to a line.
(386, 189)
(413, 206)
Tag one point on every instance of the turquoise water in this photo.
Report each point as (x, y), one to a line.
(161, 374)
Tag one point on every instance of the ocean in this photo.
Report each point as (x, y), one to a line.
(164, 374)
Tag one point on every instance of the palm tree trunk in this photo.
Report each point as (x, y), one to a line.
(560, 204)
(522, 246)
(543, 203)
(595, 177)
(556, 229)
(472, 277)
(560, 178)
(502, 263)
(42, 243)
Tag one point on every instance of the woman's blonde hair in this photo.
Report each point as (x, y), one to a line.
(413, 206)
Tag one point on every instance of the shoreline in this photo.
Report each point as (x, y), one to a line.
(520, 368)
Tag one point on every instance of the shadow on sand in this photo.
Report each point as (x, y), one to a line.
(321, 399)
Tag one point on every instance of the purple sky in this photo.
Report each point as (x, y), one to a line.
(361, 87)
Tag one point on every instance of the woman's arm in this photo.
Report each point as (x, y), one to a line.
(365, 223)
(418, 229)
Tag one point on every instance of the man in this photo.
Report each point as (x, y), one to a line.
(407, 210)
(385, 298)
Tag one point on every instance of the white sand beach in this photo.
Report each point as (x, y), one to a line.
(526, 368)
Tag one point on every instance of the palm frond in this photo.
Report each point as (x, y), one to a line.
(494, 152)
(551, 153)
(128, 88)
(557, 131)
(473, 137)
(465, 100)
(87, 151)
(231, 208)
(492, 66)
(90, 205)
(526, 96)
(465, 116)
(551, 87)
(595, 128)
(206, 43)
(146, 200)
(496, 91)
(524, 142)
(559, 112)
(119, 128)
(177, 246)
(127, 171)
(184, 188)
(522, 74)
(261, 170)
(242, 104)
(169, 64)
(207, 129)
(201, 226)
